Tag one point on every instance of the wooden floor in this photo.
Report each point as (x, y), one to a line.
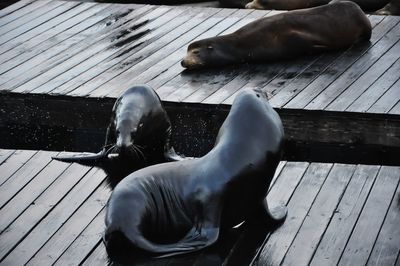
(52, 213)
(98, 50)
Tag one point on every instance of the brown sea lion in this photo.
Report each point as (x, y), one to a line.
(181, 207)
(286, 35)
(392, 8)
(365, 5)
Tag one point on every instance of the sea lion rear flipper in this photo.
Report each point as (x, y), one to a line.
(204, 232)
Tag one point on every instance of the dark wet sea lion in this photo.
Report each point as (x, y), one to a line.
(334, 26)
(181, 207)
(138, 136)
(366, 5)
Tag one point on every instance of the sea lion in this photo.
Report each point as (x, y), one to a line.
(181, 207)
(334, 26)
(138, 135)
(365, 5)
(392, 8)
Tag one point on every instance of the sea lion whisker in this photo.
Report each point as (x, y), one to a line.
(111, 149)
(137, 150)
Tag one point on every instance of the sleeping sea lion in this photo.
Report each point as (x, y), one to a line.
(392, 9)
(286, 35)
(181, 207)
(365, 5)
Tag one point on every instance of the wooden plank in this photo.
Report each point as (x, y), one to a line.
(150, 56)
(353, 75)
(317, 75)
(52, 47)
(13, 8)
(352, 92)
(345, 216)
(56, 33)
(376, 90)
(30, 192)
(396, 109)
(312, 93)
(387, 246)
(73, 227)
(148, 23)
(97, 257)
(5, 154)
(28, 8)
(106, 39)
(310, 233)
(23, 176)
(278, 171)
(277, 244)
(15, 162)
(42, 206)
(366, 231)
(43, 29)
(388, 100)
(176, 18)
(115, 71)
(51, 37)
(267, 77)
(27, 23)
(27, 248)
(84, 243)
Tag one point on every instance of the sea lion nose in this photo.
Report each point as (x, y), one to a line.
(123, 143)
(184, 63)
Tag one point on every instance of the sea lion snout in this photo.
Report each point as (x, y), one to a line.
(192, 60)
(188, 62)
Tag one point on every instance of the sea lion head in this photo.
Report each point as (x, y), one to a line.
(139, 120)
(209, 52)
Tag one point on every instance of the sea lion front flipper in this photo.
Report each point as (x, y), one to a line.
(263, 215)
(88, 159)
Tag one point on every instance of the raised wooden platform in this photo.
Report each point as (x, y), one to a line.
(99, 50)
(52, 212)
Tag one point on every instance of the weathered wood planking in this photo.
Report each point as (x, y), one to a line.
(92, 49)
(346, 214)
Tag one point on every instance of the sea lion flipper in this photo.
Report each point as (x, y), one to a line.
(264, 215)
(196, 239)
(88, 159)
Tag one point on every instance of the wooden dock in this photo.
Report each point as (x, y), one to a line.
(62, 64)
(52, 214)
(99, 50)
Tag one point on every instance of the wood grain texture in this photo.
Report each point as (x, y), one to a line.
(366, 231)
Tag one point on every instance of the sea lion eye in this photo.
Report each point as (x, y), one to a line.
(196, 51)
(141, 125)
(209, 47)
